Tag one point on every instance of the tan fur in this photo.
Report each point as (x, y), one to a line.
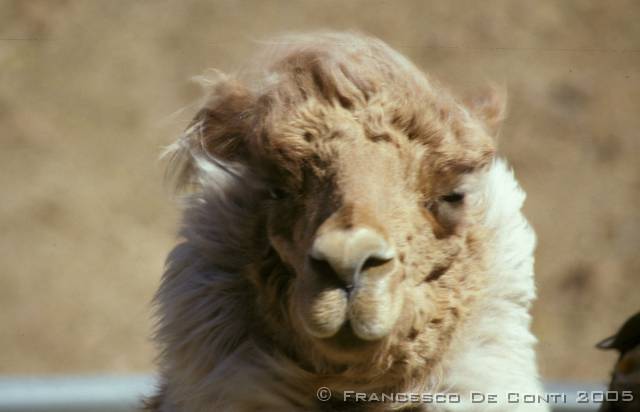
(353, 136)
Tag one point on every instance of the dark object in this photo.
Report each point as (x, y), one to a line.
(625, 379)
(627, 338)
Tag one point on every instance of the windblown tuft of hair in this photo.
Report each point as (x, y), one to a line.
(346, 225)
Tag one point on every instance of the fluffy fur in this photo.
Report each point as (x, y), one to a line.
(335, 134)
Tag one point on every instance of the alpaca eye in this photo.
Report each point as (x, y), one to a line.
(277, 193)
(453, 197)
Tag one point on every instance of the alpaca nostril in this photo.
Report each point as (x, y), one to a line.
(373, 262)
(326, 271)
(371, 266)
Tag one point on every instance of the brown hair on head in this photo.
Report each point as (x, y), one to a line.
(256, 118)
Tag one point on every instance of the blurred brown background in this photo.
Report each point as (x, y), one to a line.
(91, 90)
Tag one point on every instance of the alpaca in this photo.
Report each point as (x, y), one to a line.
(347, 227)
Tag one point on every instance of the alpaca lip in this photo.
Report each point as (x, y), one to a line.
(345, 339)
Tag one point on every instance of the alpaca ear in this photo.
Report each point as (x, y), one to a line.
(223, 121)
(489, 106)
(217, 135)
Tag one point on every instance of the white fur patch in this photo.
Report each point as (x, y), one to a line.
(493, 352)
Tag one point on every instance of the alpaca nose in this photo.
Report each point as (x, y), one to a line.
(349, 253)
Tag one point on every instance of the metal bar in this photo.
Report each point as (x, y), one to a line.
(73, 393)
(577, 396)
(123, 394)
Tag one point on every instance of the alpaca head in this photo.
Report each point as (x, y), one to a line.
(364, 178)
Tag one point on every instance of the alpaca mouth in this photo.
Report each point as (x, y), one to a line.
(346, 340)
(349, 318)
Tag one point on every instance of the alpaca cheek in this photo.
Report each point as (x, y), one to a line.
(422, 304)
(288, 253)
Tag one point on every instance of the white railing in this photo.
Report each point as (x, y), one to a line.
(123, 394)
(73, 393)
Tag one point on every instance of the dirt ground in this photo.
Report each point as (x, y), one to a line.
(91, 90)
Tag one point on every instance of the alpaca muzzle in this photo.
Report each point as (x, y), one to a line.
(352, 279)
